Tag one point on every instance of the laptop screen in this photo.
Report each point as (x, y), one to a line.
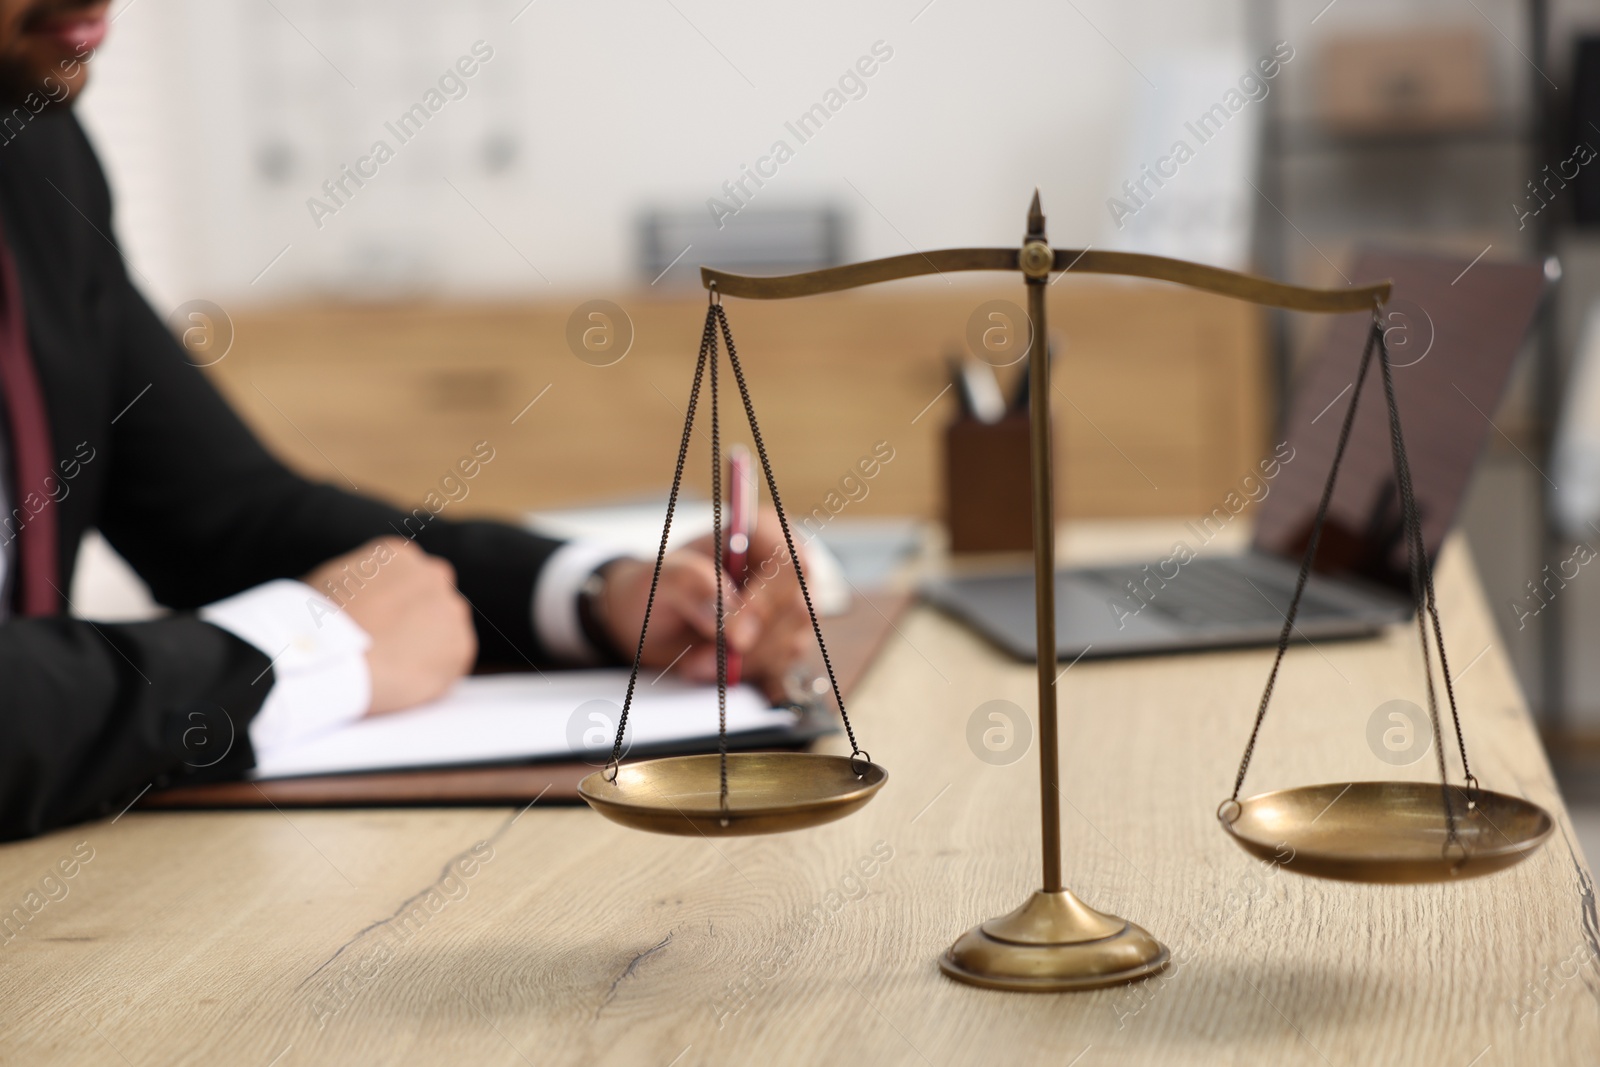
(1454, 328)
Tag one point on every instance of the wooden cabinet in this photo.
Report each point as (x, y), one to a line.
(1159, 407)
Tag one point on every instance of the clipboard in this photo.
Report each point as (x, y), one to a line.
(854, 641)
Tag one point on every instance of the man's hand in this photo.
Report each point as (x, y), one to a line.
(766, 621)
(406, 601)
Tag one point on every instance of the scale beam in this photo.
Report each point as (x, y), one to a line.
(1248, 287)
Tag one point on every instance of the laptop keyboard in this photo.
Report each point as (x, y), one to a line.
(1212, 592)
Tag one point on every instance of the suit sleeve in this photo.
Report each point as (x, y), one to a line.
(95, 713)
(202, 511)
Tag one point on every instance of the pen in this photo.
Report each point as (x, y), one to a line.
(958, 378)
(982, 391)
(741, 527)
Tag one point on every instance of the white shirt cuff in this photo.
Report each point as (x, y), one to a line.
(555, 598)
(318, 658)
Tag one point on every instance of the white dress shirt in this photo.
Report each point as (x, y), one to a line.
(318, 653)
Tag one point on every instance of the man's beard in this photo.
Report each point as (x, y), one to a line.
(21, 86)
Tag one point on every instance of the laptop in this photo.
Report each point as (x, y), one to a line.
(1454, 328)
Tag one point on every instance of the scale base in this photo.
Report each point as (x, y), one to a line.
(1054, 942)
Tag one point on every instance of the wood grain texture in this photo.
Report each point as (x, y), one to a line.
(310, 938)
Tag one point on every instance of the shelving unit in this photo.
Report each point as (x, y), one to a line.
(1326, 192)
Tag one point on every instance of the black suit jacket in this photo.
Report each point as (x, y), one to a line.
(92, 713)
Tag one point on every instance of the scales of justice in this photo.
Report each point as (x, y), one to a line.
(1374, 832)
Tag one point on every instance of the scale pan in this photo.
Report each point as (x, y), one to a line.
(768, 793)
(1392, 833)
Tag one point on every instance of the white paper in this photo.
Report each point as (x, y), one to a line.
(506, 717)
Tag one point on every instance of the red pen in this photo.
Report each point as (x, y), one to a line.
(741, 526)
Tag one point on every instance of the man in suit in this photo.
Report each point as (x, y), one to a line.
(296, 606)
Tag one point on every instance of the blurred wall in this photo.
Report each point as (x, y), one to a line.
(220, 119)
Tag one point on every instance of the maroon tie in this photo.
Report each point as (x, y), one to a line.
(33, 506)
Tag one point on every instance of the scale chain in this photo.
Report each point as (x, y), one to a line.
(717, 319)
(1305, 566)
(1422, 583)
(706, 340)
(1420, 573)
(1414, 573)
(716, 555)
(856, 751)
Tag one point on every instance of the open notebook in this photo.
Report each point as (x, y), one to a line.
(499, 718)
(503, 738)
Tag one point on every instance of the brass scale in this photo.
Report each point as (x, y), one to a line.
(1375, 832)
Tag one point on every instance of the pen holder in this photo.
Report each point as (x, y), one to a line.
(987, 488)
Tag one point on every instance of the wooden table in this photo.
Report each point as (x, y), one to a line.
(549, 936)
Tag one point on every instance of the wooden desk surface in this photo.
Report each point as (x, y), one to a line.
(350, 938)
